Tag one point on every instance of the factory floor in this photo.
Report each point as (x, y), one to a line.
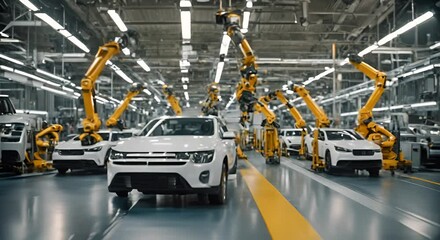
(285, 201)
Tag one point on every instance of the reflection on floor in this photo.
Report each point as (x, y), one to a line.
(78, 206)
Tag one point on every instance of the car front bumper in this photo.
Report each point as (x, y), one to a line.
(159, 178)
(349, 161)
(87, 160)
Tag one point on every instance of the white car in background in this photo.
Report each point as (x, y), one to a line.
(178, 155)
(290, 140)
(72, 155)
(346, 149)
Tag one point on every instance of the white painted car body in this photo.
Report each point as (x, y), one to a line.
(72, 155)
(290, 138)
(347, 149)
(158, 162)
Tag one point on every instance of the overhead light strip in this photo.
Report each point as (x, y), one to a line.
(11, 60)
(246, 17)
(143, 64)
(29, 5)
(118, 20)
(185, 18)
(383, 40)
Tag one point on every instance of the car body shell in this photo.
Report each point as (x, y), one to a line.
(290, 138)
(72, 155)
(153, 158)
(366, 154)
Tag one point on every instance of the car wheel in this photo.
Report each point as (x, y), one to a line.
(219, 198)
(328, 163)
(122, 194)
(62, 170)
(234, 168)
(374, 172)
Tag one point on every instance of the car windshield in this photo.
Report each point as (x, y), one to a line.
(339, 135)
(105, 136)
(293, 133)
(184, 127)
(6, 106)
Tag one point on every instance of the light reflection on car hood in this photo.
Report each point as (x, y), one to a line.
(167, 144)
(355, 144)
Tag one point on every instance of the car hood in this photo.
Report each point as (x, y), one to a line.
(17, 118)
(167, 144)
(355, 144)
(77, 145)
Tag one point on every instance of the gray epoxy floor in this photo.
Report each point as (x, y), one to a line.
(78, 206)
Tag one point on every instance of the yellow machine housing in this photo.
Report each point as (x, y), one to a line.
(209, 106)
(370, 129)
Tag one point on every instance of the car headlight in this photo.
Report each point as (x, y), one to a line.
(197, 157)
(95, 149)
(114, 155)
(342, 149)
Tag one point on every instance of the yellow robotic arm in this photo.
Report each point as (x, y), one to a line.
(209, 106)
(91, 122)
(134, 90)
(299, 121)
(322, 121)
(366, 125)
(172, 100)
(46, 138)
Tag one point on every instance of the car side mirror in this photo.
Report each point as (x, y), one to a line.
(228, 135)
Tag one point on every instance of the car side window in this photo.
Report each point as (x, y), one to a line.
(321, 136)
(115, 137)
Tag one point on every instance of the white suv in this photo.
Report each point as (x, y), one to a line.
(290, 140)
(72, 155)
(178, 155)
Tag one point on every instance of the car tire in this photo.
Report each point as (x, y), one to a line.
(234, 168)
(328, 163)
(122, 194)
(62, 170)
(220, 197)
(374, 172)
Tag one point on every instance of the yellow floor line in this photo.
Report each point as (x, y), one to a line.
(423, 180)
(282, 219)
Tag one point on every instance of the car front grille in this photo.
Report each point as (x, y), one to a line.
(360, 152)
(151, 155)
(360, 164)
(75, 152)
(151, 163)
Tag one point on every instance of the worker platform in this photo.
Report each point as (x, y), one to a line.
(286, 201)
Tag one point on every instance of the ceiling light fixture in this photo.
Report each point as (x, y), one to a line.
(157, 98)
(53, 76)
(219, 71)
(117, 19)
(78, 43)
(435, 45)
(185, 18)
(9, 40)
(143, 64)
(185, 87)
(147, 92)
(50, 21)
(53, 90)
(11, 59)
(387, 38)
(246, 17)
(29, 5)
(186, 95)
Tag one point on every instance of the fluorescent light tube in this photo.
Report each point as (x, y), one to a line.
(101, 99)
(435, 45)
(126, 51)
(186, 95)
(65, 33)
(185, 87)
(11, 59)
(246, 17)
(225, 44)
(157, 99)
(185, 80)
(29, 5)
(9, 40)
(78, 43)
(53, 90)
(6, 68)
(50, 21)
(187, 105)
(143, 65)
(185, 18)
(147, 92)
(52, 76)
(249, 4)
(117, 19)
(423, 104)
(36, 78)
(66, 89)
(219, 71)
(123, 76)
(367, 50)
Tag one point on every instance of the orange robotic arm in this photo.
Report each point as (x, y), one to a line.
(172, 100)
(209, 106)
(134, 90)
(321, 118)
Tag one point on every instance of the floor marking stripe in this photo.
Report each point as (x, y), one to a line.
(418, 185)
(419, 225)
(421, 179)
(282, 219)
